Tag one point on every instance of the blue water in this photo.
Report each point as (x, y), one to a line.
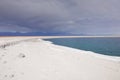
(106, 46)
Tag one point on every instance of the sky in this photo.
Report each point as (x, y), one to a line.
(52, 16)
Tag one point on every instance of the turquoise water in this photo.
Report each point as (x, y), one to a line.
(106, 46)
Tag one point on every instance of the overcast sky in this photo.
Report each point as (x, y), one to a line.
(71, 16)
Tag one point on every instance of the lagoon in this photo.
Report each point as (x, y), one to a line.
(102, 45)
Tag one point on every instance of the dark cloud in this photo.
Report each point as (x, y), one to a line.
(72, 16)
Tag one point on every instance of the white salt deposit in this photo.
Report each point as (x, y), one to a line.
(34, 59)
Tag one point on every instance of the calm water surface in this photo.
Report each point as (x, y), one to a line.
(107, 46)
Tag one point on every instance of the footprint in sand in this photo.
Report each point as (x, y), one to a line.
(21, 55)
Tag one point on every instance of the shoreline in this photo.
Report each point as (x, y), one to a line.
(108, 57)
(116, 58)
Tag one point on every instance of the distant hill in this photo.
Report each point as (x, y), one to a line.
(38, 34)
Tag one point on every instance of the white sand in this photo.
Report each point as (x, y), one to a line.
(41, 60)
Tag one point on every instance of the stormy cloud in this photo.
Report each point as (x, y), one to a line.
(71, 16)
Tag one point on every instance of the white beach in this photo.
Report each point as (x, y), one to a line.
(31, 58)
